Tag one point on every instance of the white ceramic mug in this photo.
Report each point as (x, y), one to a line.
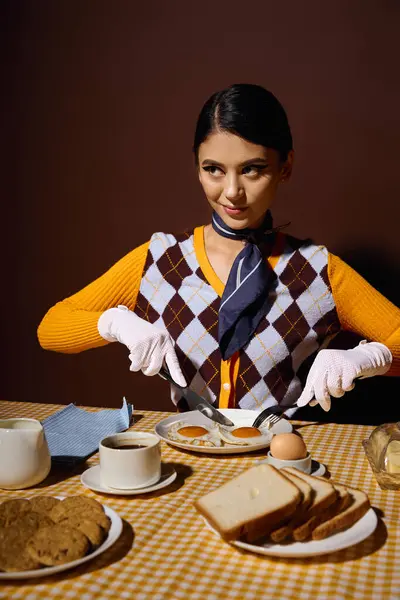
(122, 468)
(24, 454)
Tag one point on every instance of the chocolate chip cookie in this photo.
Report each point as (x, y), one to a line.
(13, 553)
(93, 531)
(75, 505)
(82, 507)
(44, 504)
(11, 510)
(57, 545)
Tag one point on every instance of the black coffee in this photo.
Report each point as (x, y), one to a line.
(126, 446)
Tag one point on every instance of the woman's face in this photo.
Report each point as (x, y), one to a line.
(240, 179)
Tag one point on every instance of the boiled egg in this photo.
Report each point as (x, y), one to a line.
(245, 436)
(288, 446)
(195, 435)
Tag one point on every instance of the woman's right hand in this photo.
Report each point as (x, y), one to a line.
(149, 346)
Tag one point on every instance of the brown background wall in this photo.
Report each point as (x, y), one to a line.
(100, 105)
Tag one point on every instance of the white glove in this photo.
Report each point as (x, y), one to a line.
(149, 346)
(333, 372)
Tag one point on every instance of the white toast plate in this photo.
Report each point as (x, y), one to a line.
(241, 418)
(355, 534)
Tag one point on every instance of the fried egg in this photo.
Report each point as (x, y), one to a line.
(195, 435)
(245, 436)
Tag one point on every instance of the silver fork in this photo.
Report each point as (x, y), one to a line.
(271, 421)
(269, 416)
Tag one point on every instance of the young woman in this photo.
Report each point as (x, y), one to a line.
(236, 309)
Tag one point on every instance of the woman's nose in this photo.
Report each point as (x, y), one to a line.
(232, 189)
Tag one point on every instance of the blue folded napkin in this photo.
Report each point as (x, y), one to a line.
(73, 434)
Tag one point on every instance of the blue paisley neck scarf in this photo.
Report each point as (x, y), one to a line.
(245, 297)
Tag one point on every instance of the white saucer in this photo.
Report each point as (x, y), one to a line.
(92, 479)
(317, 468)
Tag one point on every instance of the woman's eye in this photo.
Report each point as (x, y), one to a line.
(213, 170)
(253, 170)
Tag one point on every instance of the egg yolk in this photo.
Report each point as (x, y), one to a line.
(246, 432)
(192, 431)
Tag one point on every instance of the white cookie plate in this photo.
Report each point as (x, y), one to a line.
(355, 534)
(113, 535)
(241, 418)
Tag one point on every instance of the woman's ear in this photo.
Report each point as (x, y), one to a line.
(287, 167)
(199, 173)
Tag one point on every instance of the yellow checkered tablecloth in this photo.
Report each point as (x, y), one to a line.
(166, 552)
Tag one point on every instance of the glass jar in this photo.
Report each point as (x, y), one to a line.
(383, 452)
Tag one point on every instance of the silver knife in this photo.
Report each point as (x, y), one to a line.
(196, 402)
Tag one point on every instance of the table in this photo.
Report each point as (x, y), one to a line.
(166, 552)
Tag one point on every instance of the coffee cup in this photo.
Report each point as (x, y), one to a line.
(24, 454)
(130, 460)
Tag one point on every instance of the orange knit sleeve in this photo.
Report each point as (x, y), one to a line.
(363, 310)
(71, 325)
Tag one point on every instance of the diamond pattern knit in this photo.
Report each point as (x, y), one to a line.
(301, 314)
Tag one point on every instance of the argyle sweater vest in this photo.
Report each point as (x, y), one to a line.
(301, 318)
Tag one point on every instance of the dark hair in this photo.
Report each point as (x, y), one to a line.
(249, 111)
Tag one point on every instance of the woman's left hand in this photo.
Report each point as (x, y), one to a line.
(333, 372)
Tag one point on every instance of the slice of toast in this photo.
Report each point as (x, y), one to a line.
(324, 492)
(251, 504)
(305, 488)
(346, 518)
(282, 532)
(303, 531)
(325, 497)
(345, 498)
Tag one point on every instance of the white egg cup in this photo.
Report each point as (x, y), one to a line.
(302, 464)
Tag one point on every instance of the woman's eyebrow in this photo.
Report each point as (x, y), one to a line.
(254, 160)
(258, 159)
(209, 161)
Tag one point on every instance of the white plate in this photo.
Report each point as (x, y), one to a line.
(92, 480)
(113, 535)
(241, 418)
(355, 534)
